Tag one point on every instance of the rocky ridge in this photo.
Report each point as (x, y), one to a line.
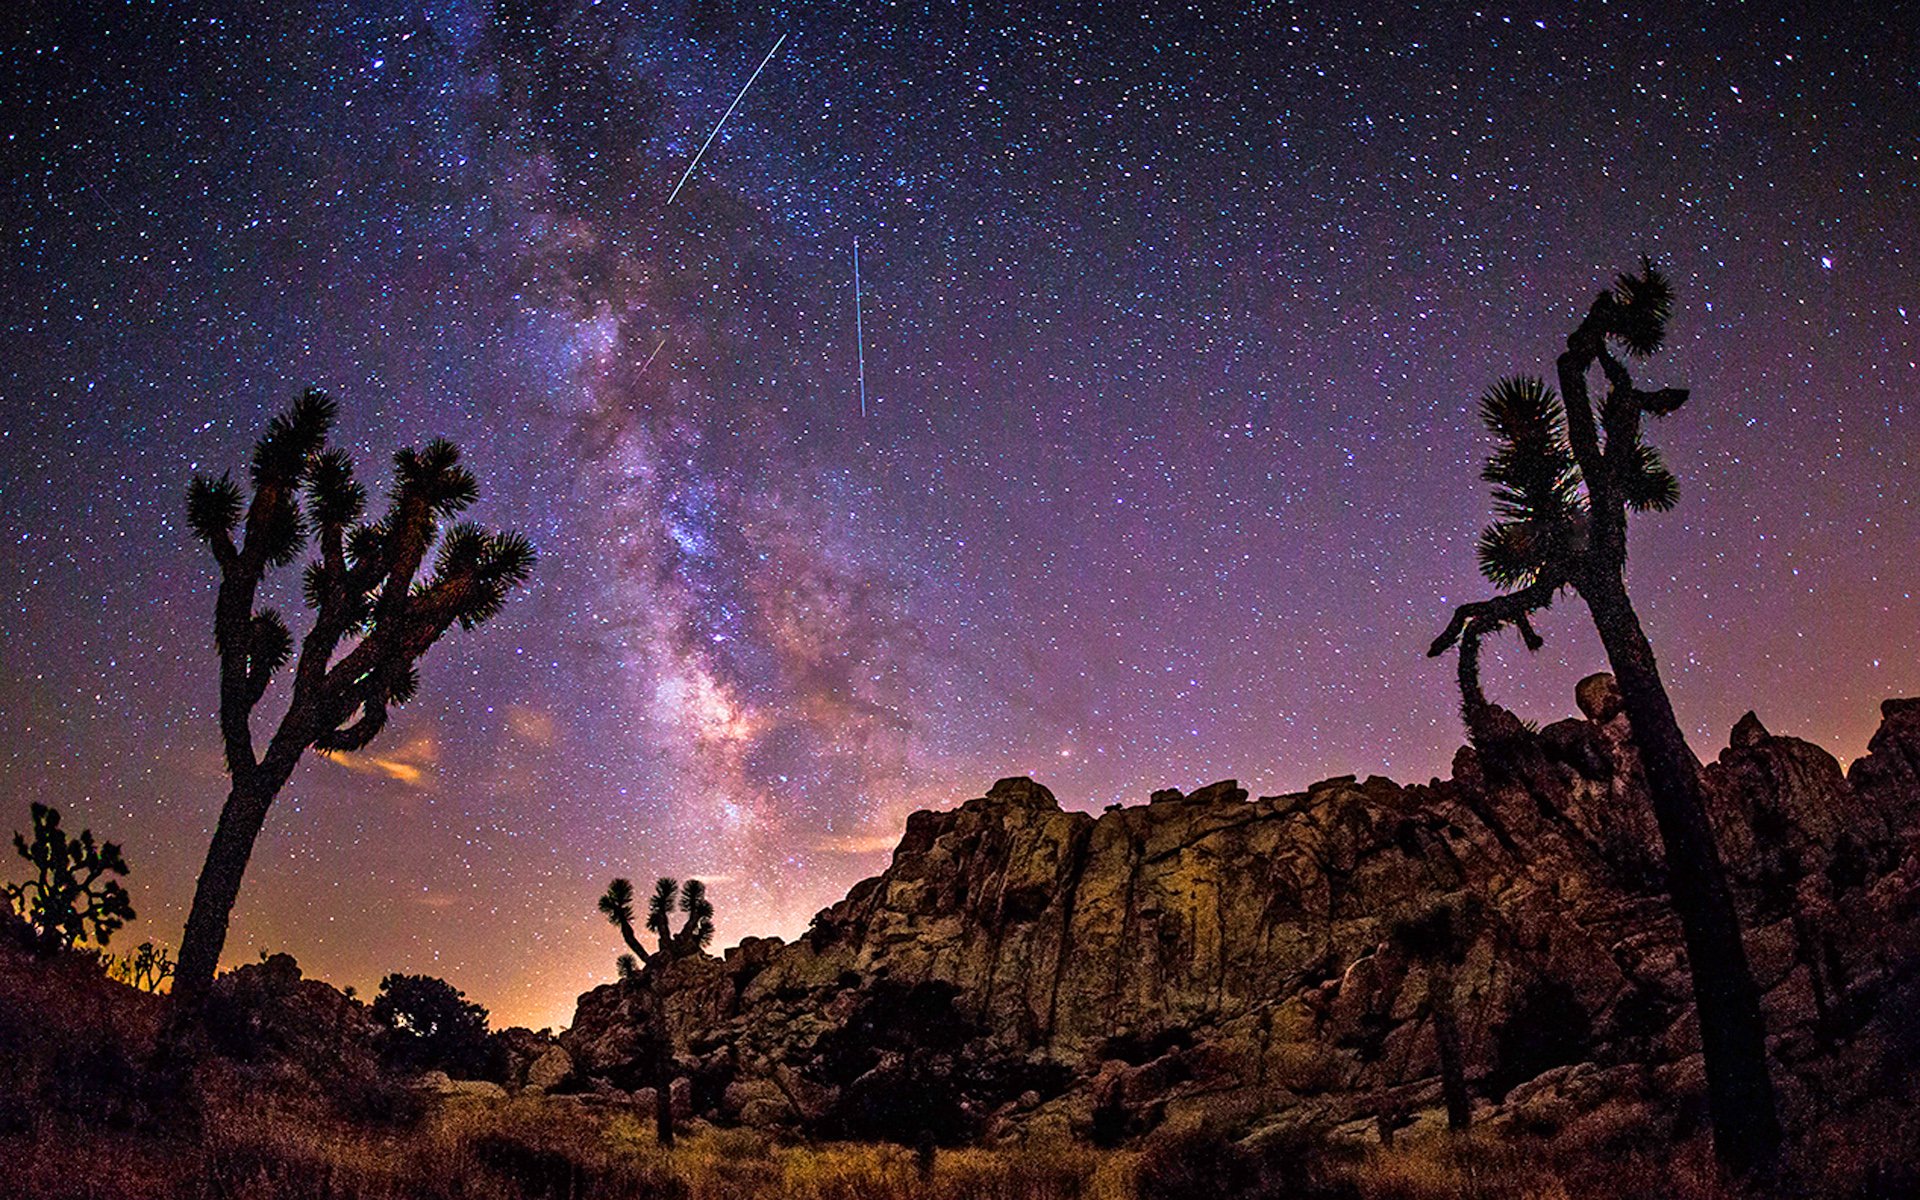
(1019, 969)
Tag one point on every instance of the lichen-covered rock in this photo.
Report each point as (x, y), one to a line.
(1019, 968)
(549, 1070)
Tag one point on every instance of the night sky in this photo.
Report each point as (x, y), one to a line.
(1174, 318)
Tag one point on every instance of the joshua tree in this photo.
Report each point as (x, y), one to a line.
(646, 969)
(372, 620)
(67, 900)
(148, 967)
(1438, 939)
(1565, 476)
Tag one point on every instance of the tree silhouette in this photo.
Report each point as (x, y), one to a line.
(1565, 477)
(645, 970)
(147, 967)
(67, 900)
(1438, 939)
(372, 620)
(432, 1025)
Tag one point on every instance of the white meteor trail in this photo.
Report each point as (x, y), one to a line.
(723, 118)
(659, 346)
(859, 333)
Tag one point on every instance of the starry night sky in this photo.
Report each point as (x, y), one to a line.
(1174, 319)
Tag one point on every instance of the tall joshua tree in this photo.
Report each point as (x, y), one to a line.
(373, 619)
(646, 969)
(1565, 475)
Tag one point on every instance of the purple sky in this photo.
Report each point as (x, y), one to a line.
(1173, 328)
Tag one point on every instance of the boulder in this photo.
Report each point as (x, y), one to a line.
(1598, 697)
(549, 1070)
(437, 1083)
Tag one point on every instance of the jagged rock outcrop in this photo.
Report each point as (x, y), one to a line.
(1019, 967)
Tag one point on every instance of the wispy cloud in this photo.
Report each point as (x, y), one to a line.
(412, 762)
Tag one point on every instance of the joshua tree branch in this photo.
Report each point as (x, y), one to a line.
(1583, 345)
(233, 634)
(1514, 607)
(633, 943)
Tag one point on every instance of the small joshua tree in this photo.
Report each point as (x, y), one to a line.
(147, 967)
(69, 899)
(645, 969)
(373, 619)
(1566, 475)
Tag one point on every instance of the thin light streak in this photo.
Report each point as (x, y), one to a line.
(723, 118)
(859, 330)
(656, 353)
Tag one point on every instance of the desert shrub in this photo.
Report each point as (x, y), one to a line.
(432, 1026)
(1297, 1164)
(897, 1064)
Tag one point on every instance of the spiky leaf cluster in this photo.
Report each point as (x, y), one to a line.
(1643, 306)
(660, 907)
(697, 932)
(361, 584)
(1540, 494)
(617, 903)
(1536, 482)
(70, 897)
(669, 895)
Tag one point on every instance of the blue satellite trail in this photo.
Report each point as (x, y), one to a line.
(688, 174)
(859, 332)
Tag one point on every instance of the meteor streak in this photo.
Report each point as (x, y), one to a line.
(723, 118)
(659, 346)
(859, 333)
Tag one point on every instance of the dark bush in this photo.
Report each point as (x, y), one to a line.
(432, 1026)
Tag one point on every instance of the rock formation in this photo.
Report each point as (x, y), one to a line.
(1019, 968)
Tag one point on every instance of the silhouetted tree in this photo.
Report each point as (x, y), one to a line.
(147, 967)
(1565, 475)
(431, 1025)
(645, 970)
(67, 899)
(1439, 939)
(372, 620)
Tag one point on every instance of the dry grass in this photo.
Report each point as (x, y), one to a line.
(534, 1149)
(551, 1149)
(77, 1124)
(1478, 1167)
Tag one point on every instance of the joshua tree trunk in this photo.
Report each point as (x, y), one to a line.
(206, 933)
(1733, 1036)
(1446, 1036)
(662, 1062)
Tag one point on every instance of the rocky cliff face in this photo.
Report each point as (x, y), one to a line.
(1020, 968)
